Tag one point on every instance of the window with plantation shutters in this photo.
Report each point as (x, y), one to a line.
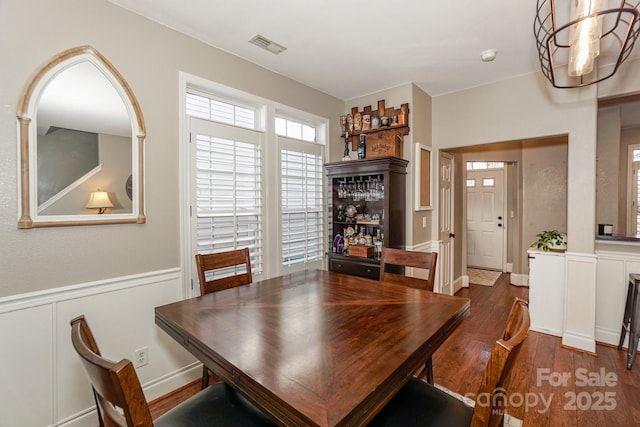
(228, 181)
(255, 179)
(302, 208)
(228, 197)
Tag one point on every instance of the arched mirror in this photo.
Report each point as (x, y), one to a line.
(81, 144)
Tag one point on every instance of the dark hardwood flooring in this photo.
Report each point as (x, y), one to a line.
(597, 390)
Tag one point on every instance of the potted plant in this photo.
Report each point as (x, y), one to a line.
(552, 240)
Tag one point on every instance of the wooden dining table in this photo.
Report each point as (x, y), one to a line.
(314, 347)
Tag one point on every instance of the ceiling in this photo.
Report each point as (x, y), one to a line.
(353, 48)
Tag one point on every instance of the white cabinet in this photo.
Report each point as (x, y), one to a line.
(546, 291)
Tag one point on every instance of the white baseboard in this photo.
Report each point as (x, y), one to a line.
(579, 342)
(459, 283)
(610, 336)
(519, 279)
(547, 331)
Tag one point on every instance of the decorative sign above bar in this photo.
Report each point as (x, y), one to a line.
(384, 128)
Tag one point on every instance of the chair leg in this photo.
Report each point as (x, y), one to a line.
(205, 377)
(626, 320)
(429, 371)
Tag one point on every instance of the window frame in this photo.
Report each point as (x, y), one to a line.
(269, 109)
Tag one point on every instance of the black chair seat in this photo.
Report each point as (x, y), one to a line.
(217, 405)
(421, 404)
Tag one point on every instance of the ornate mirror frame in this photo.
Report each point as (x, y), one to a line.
(27, 114)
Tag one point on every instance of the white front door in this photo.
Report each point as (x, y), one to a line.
(445, 215)
(485, 218)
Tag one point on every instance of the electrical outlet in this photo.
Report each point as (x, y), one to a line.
(141, 357)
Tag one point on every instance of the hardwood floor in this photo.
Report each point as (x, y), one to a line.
(536, 393)
(597, 390)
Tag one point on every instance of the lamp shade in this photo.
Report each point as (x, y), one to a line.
(99, 200)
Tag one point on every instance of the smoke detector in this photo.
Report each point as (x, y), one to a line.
(265, 43)
(488, 55)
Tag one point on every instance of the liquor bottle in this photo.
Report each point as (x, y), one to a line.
(362, 147)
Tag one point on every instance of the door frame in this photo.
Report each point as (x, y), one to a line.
(451, 219)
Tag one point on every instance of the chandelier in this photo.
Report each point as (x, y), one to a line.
(574, 36)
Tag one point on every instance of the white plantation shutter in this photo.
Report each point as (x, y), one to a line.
(302, 220)
(228, 190)
(201, 106)
(255, 179)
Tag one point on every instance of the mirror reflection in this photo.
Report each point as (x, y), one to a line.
(618, 161)
(83, 143)
(81, 136)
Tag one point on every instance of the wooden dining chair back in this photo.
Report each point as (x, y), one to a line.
(120, 401)
(500, 365)
(421, 404)
(222, 260)
(422, 260)
(216, 262)
(115, 384)
(403, 258)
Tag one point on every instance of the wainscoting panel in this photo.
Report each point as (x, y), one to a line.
(26, 367)
(611, 292)
(580, 301)
(45, 380)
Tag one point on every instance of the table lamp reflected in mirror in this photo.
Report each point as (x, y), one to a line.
(99, 200)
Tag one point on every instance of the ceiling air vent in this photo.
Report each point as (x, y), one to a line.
(265, 43)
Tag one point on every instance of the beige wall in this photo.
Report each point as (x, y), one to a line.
(526, 108)
(149, 56)
(544, 183)
(422, 132)
(608, 170)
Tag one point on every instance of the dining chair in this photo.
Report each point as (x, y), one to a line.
(216, 262)
(421, 260)
(120, 400)
(220, 260)
(421, 404)
(403, 258)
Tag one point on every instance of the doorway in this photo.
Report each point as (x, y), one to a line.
(486, 220)
(535, 199)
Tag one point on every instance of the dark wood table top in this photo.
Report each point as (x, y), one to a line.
(315, 347)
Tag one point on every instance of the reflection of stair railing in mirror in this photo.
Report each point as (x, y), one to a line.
(79, 95)
(99, 200)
